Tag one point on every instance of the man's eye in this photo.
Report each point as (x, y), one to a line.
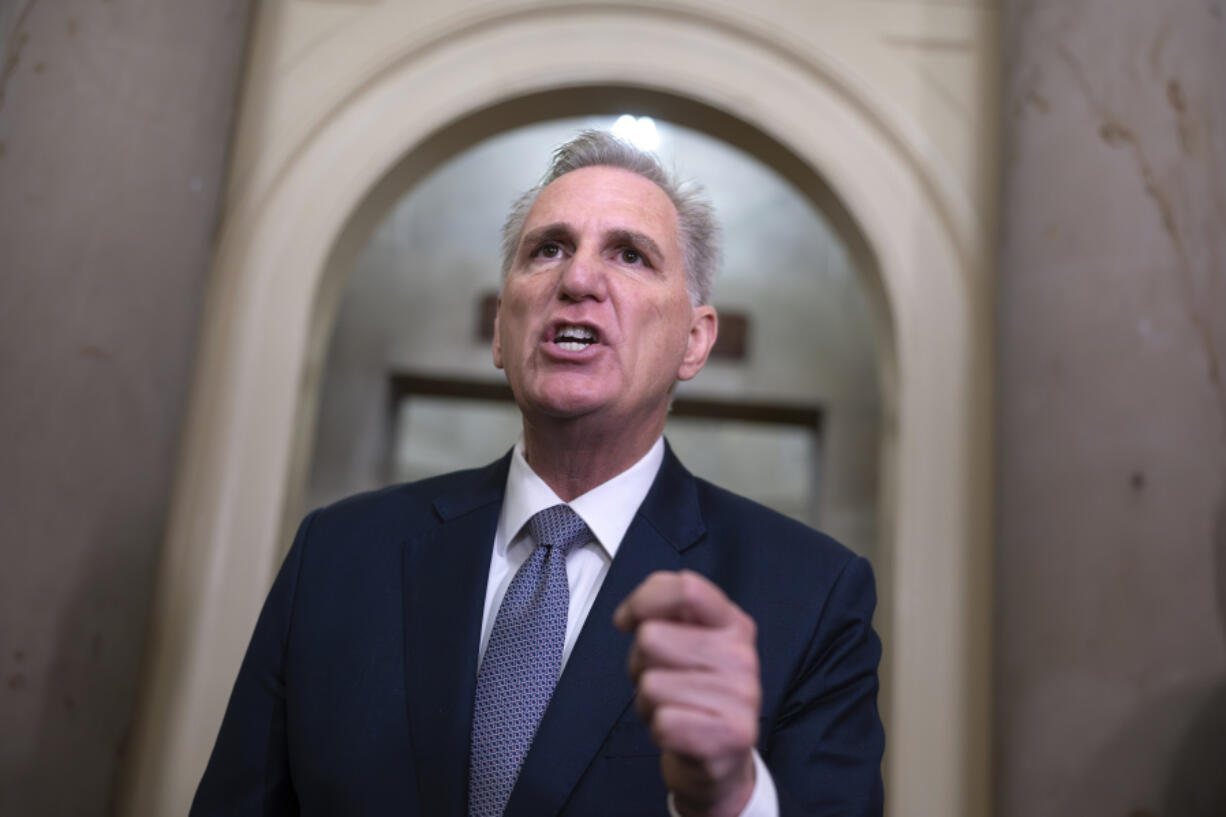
(548, 251)
(630, 256)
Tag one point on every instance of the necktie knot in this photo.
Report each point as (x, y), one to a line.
(559, 527)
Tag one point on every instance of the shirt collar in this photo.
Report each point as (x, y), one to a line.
(608, 509)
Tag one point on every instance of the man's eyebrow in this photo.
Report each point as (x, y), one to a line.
(555, 232)
(561, 231)
(635, 239)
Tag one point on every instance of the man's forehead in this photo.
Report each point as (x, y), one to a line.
(605, 194)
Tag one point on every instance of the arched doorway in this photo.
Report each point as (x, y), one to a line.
(291, 238)
(786, 411)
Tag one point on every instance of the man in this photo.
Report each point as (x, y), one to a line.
(460, 645)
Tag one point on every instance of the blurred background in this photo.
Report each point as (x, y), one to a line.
(1076, 151)
(409, 389)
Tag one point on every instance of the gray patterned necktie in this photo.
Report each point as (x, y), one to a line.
(522, 661)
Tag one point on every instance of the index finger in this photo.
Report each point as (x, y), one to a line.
(683, 596)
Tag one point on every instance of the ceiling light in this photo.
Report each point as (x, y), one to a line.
(638, 131)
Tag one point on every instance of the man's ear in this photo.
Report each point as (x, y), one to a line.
(497, 343)
(704, 327)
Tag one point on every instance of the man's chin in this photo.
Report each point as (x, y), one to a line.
(565, 406)
(569, 409)
(565, 398)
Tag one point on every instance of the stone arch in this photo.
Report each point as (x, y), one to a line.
(292, 234)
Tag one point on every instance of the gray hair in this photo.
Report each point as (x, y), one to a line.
(699, 231)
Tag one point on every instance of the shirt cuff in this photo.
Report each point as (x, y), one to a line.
(763, 801)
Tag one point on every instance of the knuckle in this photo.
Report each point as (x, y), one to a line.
(644, 707)
(744, 736)
(649, 684)
(689, 587)
(660, 725)
(748, 692)
(749, 660)
(741, 660)
(650, 638)
(634, 662)
(657, 578)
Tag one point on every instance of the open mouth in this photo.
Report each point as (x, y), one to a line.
(572, 338)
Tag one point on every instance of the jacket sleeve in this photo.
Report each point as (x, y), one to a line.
(825, 749)
(248, 774)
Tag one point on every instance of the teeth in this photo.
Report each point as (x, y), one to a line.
(571, 338)
(577, 332)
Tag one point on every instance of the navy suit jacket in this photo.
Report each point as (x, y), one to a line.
(355, 696)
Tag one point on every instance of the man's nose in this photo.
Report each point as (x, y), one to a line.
(583, 277)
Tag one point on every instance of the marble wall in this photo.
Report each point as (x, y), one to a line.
(1111, 668)
(114, 121)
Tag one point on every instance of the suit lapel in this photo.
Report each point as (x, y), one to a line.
(594, 689)
(444, 577)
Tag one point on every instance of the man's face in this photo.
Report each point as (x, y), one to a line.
(594, 319)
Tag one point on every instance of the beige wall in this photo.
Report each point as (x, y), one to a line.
(1111, 671)
(114, 119)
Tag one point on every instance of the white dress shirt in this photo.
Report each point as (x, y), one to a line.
(608, 510)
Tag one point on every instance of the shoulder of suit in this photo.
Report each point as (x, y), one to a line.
(411, 501)
(729, 514)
